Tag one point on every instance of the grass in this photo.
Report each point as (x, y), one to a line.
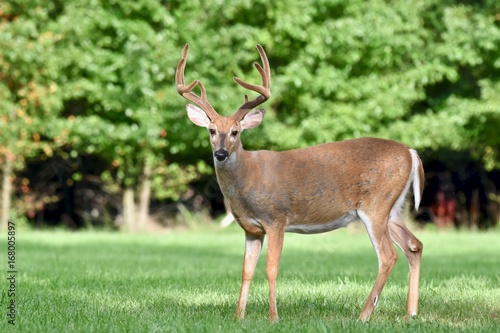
(189, 282)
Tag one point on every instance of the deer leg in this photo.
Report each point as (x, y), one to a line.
(387, 257)
(253, 246)
(274, 246)
(412, 248)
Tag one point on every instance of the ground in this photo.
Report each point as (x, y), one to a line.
(189, 281)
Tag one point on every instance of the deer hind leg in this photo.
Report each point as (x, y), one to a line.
(253, 246)
(387, 257)
(412, 248)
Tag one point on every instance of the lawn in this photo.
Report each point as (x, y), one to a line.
(188, 281)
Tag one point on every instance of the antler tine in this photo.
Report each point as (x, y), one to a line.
(186, 91)
(264, 89)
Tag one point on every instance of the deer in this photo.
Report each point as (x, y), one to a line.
(309, 190)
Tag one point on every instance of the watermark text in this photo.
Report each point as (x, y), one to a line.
(11, 273)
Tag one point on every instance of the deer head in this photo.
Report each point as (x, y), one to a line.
(225, 131)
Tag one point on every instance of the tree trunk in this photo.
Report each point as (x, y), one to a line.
(144, 196)
(6, 191)
(129, 220)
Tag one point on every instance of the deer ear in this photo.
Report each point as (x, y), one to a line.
(197, 115)
(252, 119)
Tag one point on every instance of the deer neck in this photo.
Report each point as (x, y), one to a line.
(232, 174)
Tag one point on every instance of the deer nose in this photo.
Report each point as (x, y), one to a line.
(221, 155)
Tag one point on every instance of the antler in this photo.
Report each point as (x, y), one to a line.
(263, 89)
(186, 91)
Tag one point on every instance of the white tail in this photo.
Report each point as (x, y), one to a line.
(418, 177)
(310, 190)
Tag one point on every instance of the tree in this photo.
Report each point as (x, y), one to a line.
(117, 91)
(28, 91)
(104, 87)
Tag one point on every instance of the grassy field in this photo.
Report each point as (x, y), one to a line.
(189, 282)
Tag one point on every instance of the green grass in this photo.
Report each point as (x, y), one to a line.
(189, 282)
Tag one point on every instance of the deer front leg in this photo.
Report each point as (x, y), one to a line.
(253, 246)
(274, 247)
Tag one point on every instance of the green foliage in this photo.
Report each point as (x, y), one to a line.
(115, 82)
(29, 94)
(96, 77)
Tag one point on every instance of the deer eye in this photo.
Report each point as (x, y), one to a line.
(234, 133)
(212, 131)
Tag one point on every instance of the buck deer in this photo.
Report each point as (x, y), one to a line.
(310, 190)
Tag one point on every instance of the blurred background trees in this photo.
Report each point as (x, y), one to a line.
(93, 133)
